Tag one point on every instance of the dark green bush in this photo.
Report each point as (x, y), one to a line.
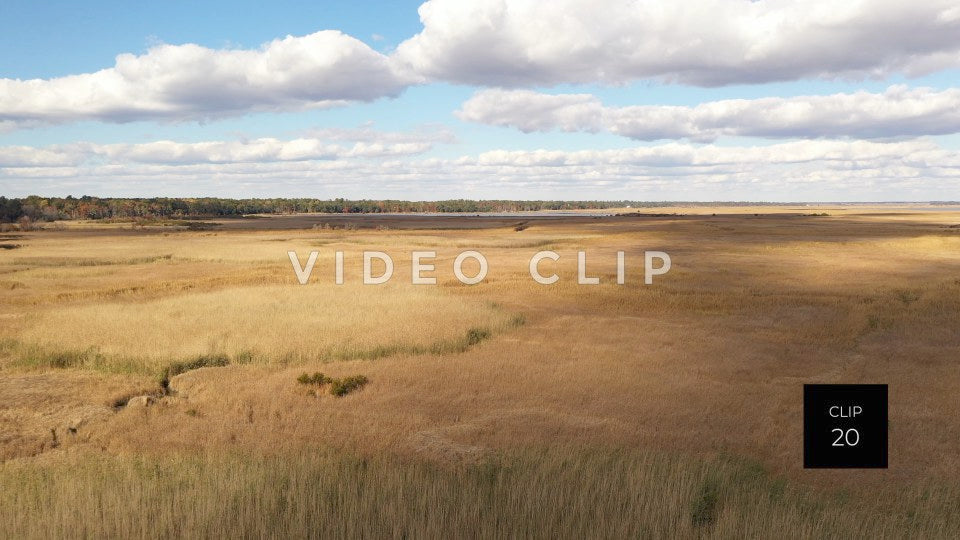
(338, 387)
(342, 387)
(317, 378)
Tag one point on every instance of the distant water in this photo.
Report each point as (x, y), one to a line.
(645, 210)
(652, 210)
(532, 213)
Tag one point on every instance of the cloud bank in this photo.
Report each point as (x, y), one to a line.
(900, 112)
(820, 170)
(262, 150)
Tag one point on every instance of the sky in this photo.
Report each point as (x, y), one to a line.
(708, 100)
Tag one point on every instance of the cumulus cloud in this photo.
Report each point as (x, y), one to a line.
(508, 44)
(797, 170)
(706, 43)
(900, 112)
(191, 82)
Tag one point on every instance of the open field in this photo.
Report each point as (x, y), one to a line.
(502, 408)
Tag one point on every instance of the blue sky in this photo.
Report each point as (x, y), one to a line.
(481, 98)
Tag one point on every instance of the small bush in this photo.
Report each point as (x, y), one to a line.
(342, 387)
(338, 387)
(317, 378)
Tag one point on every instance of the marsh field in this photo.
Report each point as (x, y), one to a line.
(152, 376)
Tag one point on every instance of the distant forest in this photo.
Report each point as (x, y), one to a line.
(37, 208)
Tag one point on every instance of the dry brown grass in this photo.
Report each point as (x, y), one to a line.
(708, 361)
(285, 324)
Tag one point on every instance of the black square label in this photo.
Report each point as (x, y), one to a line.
(844, 426)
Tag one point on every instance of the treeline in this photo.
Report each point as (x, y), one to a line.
(38, 208)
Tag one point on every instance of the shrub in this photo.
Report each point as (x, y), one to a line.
(342, 387)
(338, 387)
(317, 378)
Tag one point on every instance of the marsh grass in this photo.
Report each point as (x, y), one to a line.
(31, 356)
(709, 357)
(202, 361)
(67, 262)
(271, 324)
(557, 493)
(473, 336)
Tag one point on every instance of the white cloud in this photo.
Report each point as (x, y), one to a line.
(799, 170)
(515, 43)
(365, 145)
(29, 156)
(253, 151)
(708, 42)
(191, 82)
(900, 112)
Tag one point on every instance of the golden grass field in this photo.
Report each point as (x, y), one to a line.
(502, 409)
